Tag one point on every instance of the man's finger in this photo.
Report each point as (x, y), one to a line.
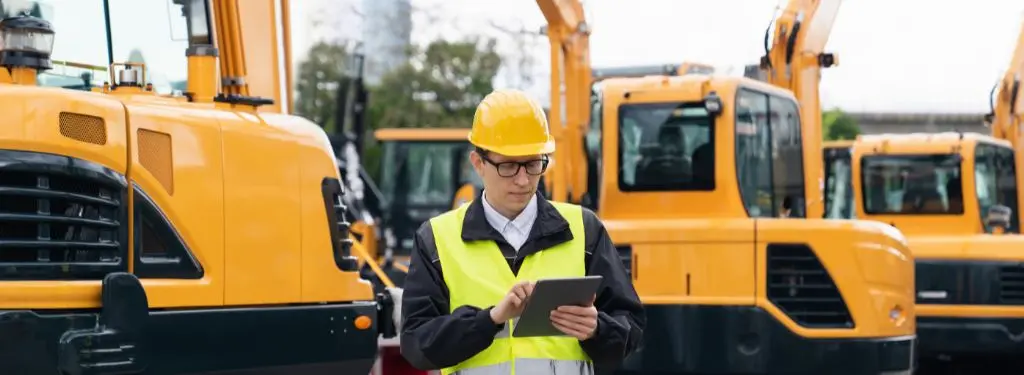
(515, 300)
(582, 321)
(565, 328)
(568, 330)
(577, 310)
(519, 292)
(561, 328)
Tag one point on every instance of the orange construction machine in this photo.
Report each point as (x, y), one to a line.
(151, 227)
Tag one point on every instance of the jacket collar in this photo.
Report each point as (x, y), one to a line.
(524, 222)
(476, 228)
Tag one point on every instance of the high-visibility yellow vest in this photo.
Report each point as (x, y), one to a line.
(477, 274)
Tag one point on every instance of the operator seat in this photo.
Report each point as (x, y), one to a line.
(664, 165)
(703, 167)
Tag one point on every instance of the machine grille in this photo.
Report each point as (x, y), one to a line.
(59, 225)
(1011, 285)
(339, 226)
(800, 286)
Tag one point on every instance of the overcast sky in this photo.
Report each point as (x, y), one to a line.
(894, 55)
(905, 55)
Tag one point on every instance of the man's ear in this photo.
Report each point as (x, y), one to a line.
(478, 163)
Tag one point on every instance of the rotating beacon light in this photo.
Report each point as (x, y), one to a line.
(26, 43)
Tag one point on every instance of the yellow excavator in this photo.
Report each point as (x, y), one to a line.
(711, 187)
(169, 233)
(953, 195)
(956, 197)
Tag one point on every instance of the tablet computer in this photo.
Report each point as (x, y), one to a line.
(547, 295)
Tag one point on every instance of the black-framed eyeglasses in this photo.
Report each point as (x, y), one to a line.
(511, 168)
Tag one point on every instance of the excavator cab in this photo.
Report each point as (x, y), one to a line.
(934, 184)
(424, 172)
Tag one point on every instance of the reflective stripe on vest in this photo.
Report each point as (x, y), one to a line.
(532, 366)
(478, 275)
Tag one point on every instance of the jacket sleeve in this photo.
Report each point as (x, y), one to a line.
(621, 319)
(432, 338)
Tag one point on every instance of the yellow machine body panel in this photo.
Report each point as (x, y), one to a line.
(422, 134)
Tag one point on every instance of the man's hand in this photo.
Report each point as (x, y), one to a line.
(576, 321)
(513, 303)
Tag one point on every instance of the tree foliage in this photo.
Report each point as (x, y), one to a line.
(838, 125)
(319, 75)
(439, 87)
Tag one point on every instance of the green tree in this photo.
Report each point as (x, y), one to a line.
(838, 125)
(439, 87)
(319, 75)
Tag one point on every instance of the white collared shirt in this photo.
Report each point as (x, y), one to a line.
(516, 230)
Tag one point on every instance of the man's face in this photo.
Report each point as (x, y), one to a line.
(509, 185)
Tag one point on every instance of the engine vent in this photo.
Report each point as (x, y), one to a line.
(1011, 285)
(802, 288)
(83, 128)
(155, 154)
(60, 220)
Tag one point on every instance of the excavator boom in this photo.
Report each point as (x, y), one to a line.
(255, 49)
(794, 63)
(562, 13)
(568, 35)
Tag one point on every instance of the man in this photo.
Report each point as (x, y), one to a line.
(473, 267)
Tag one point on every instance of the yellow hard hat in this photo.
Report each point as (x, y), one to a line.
(511, 123)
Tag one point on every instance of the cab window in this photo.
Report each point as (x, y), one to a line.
(422, 173)
(769, 159)
(593, 146)
(428, 174)
(995, 179)
(912, 184)
(665, 146)
(839, 200)
(158, 40)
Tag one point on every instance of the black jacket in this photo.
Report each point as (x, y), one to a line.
(431, 338)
